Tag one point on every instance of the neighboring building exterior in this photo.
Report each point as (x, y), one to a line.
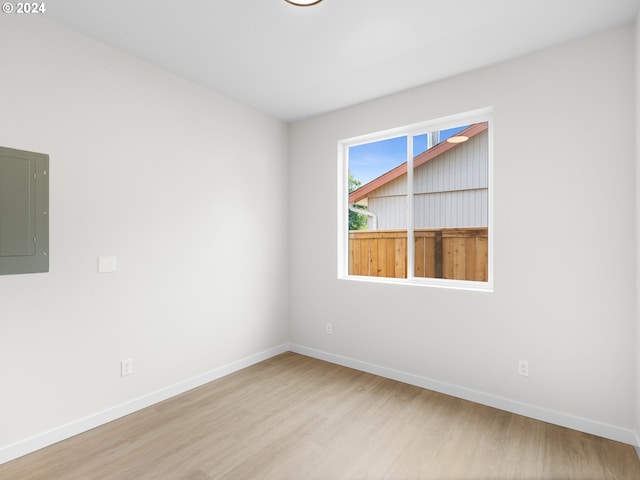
(450, 187)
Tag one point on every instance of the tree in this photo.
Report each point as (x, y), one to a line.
(356, 221)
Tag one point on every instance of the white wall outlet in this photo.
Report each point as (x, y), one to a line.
(126, 367)
(328, 328)
(523, 368)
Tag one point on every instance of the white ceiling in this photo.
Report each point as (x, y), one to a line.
(295, 62)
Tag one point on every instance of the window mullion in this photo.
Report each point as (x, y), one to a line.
(410, 211)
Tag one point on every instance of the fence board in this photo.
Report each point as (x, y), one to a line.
(400, 259)
(420, 263)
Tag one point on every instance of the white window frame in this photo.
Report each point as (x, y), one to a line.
(475, 116)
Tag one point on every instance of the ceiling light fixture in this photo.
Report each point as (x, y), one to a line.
(458, 139)
(303, 3)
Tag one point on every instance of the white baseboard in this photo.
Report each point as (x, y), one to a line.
(63, 432)
(550, 416)
(26, 446)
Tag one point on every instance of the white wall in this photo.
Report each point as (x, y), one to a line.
(564, 294)
(166, 176)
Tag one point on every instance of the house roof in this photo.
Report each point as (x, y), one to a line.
(439, 149)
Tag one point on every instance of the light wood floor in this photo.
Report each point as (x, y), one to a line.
(293, 417)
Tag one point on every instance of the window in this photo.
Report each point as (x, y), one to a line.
(415, 204)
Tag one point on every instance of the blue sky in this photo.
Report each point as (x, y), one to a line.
(367, 162)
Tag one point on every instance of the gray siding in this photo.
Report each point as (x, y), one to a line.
(450, 191)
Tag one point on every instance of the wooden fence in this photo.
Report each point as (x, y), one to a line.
(452, 253)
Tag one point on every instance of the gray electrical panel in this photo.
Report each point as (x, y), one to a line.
(24, 211)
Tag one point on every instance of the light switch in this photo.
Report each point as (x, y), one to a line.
(107, 264)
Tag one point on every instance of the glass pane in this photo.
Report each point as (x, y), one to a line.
(450, 211)
(377, 208)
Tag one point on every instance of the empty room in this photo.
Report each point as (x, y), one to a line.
(335, 239)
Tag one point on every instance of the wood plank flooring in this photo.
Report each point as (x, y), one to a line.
(294, 417)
